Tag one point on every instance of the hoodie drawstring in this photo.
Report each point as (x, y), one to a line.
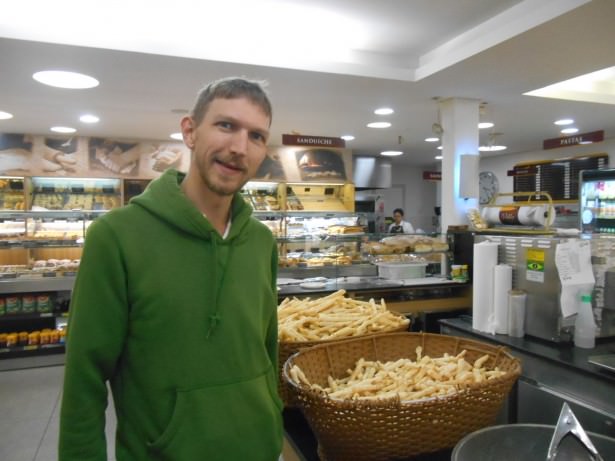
(216, 318)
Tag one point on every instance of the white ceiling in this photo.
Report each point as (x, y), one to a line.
(403, 55)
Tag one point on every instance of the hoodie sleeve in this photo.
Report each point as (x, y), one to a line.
(96, 330)
(272, 333)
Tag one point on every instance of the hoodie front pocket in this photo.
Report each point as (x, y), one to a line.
(232, 422)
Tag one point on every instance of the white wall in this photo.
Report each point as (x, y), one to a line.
(416, 196)
(502, 163)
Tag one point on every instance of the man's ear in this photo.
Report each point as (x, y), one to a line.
(188, 127)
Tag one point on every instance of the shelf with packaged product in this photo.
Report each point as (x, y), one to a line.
(39, 258)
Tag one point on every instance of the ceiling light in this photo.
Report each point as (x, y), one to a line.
(5, 115)
(64, 79)
(176, 136)
(391, 153)
(569, 130)
(439, 147)
(62, 129)
(564, 121)
(483, 125)
(491, 148)
(378, 125)
(384, 111)
(89, 118)
(347, 137)
(438, 157)
(432, 139)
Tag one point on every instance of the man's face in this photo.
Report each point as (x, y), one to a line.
(228, 145)
(397, 217)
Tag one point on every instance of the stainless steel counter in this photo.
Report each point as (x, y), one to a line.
(553, 373)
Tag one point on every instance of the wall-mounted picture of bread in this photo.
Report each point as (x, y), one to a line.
(320, 164)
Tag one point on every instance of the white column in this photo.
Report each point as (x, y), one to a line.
(459, 120)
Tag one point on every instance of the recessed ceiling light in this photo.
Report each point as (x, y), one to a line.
(347, 137)
(564, 121)
(176, 136)
(89, 118)
(62, 129)
(439, 147)
(384, 111)
(5, 115)
(432, 139)
(438, 157)
(569, 130)
(64, 79)
(483, 125)
(378, 125)
(391, 153)
(491, 148)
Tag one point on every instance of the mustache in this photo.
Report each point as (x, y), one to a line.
(233, 161)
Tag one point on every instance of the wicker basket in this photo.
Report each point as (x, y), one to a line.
(286, 349)
(367, 430)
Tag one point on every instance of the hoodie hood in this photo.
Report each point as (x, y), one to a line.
(165, 199)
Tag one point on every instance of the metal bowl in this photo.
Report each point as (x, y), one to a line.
(527, 442)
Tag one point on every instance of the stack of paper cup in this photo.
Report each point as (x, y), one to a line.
(516, 313)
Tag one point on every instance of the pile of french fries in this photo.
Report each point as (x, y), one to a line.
(334, 317)
(425, 377)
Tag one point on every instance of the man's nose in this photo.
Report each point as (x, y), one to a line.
(239, 142)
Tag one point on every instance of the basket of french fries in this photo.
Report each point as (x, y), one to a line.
(309, 322)
(398, 395)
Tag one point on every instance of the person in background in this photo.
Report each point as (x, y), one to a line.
(175, 306)
(399, 226)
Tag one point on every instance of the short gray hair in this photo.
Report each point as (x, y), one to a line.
(231, 88)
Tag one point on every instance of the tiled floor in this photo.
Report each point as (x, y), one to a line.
(29, 412)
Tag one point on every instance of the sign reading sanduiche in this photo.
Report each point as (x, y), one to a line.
(574, 140)
(314, 141)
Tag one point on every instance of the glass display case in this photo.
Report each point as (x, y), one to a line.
(133, 187)
(12, 193)
(264, 196)
(52, 193)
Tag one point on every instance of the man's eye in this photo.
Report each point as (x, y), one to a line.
(258, 137)
(225, 125)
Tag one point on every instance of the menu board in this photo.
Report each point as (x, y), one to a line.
(560, 178)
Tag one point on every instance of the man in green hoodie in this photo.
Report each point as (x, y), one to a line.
(175, 306)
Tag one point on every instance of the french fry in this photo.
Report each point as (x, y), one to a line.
(406, 379)
(334, 317)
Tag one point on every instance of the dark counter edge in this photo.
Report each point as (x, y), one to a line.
(563, 354)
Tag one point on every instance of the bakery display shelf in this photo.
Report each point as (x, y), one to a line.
(31, 316)
(317, 214)
(266, 215)
(29, 284)
(68, 215)
(36, 243)
(52, 243)
(319, 237)
(29, 350)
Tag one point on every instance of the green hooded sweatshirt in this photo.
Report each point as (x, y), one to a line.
(183, 325)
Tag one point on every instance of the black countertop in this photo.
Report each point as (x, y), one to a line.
(563, 354)
(368, 284)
